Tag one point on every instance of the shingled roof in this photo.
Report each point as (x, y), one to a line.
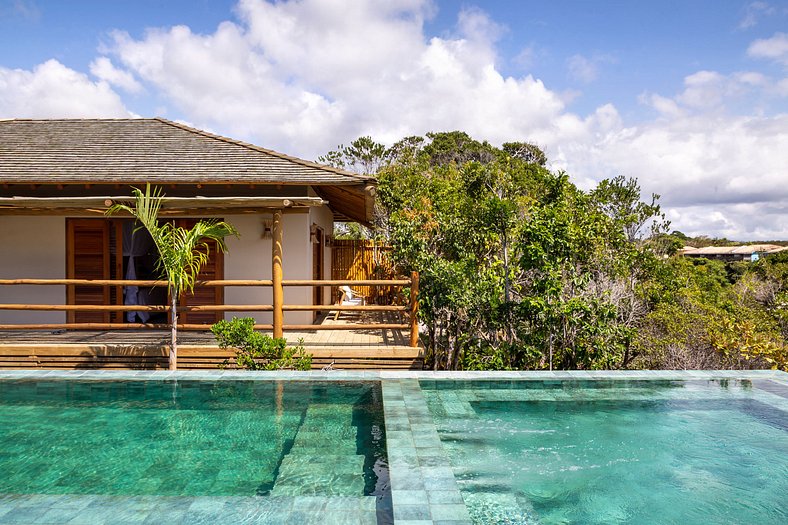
(156, 150)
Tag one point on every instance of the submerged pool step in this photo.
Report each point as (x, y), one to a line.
(323, 459)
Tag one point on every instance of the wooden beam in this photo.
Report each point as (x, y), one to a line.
(276, 272)
(201, 308)
(346, 282)
(134, 282)
(414, 309)
(114, 326)
(212, 282)
(349, 326)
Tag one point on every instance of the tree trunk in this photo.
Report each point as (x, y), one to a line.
(507, 291)
(174, 334)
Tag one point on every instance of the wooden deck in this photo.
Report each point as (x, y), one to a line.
(147, 349)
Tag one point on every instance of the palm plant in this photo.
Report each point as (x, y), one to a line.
(182, 252)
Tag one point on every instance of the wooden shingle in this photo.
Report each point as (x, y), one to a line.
(127, 151)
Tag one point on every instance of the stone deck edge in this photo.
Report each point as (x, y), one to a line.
(374, 375)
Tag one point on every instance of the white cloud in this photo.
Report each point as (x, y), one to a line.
(51, 90)
(666, 107)
(21, 9)
(582, 68)
(103, 69)
(586, 69)
(526, 58)
(774, 48)
(753, 12)
(713, 92)
(304, 76)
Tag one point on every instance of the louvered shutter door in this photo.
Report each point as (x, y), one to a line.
(88, 258)
(204, 295)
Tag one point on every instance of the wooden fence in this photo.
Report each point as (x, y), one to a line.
(278, 307)
(360, 260)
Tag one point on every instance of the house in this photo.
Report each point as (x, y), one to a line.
(58, 177)
(749, 253)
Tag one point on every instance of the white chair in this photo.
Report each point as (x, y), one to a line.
(349, 297)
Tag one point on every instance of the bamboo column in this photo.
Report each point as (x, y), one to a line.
(414, 309)
(276, 273)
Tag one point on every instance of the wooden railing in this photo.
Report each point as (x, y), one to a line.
(278, 307)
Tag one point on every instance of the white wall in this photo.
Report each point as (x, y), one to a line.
(35, 247)
(249, 257)
(323, 217)
(32, 247)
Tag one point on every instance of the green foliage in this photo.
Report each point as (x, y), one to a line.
(256, 350)
(521, 269)
(511, 257)
(182, 252)
(525, 151)
(351, 230)
(364, 156)
(704, 320)
(619, 199)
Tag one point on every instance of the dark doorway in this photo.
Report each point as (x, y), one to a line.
(116, 249)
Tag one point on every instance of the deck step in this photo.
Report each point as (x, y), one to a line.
(148, 355)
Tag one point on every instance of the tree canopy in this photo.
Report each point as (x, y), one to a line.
(520, 269)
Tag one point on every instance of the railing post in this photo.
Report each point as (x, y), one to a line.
(414, 309)
(276, 274)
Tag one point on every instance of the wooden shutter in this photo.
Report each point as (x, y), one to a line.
(317, 266)
(88, 257)
(207, 295)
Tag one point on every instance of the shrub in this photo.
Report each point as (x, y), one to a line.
(256, 350)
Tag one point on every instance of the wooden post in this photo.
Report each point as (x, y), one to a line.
(276, 273)
(414, 309)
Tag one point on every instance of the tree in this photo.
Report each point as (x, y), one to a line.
(363, 156)
(182, 252)
(530, 153)
(519, 268)
(619, 198)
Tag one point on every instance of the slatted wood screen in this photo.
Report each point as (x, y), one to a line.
(88, 257)
(213, 269)
(362, 259)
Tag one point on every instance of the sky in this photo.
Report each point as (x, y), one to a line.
(689, 97)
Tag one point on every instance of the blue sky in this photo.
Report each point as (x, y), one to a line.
(688, 96)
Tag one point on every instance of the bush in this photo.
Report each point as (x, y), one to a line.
(258, 351)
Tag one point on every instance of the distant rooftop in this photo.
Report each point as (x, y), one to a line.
(742, 251)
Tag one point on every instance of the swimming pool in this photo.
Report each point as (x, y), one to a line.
(205, 448)
(601, 452)
(404, 447)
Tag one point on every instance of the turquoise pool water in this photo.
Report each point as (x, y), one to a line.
(192, 438)
(616, 452)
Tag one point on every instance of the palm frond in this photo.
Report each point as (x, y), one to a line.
(182, 252)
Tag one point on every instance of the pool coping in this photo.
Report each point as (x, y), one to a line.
(374, 375)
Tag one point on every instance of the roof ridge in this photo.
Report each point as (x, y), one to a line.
(67, 119)
(254, 147)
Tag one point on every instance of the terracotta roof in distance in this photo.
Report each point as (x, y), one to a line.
(152, 150)
(748, 249)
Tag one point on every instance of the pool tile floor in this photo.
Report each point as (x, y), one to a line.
(423, 487)
(144, 510)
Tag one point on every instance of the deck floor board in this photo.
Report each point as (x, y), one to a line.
(147, 348)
